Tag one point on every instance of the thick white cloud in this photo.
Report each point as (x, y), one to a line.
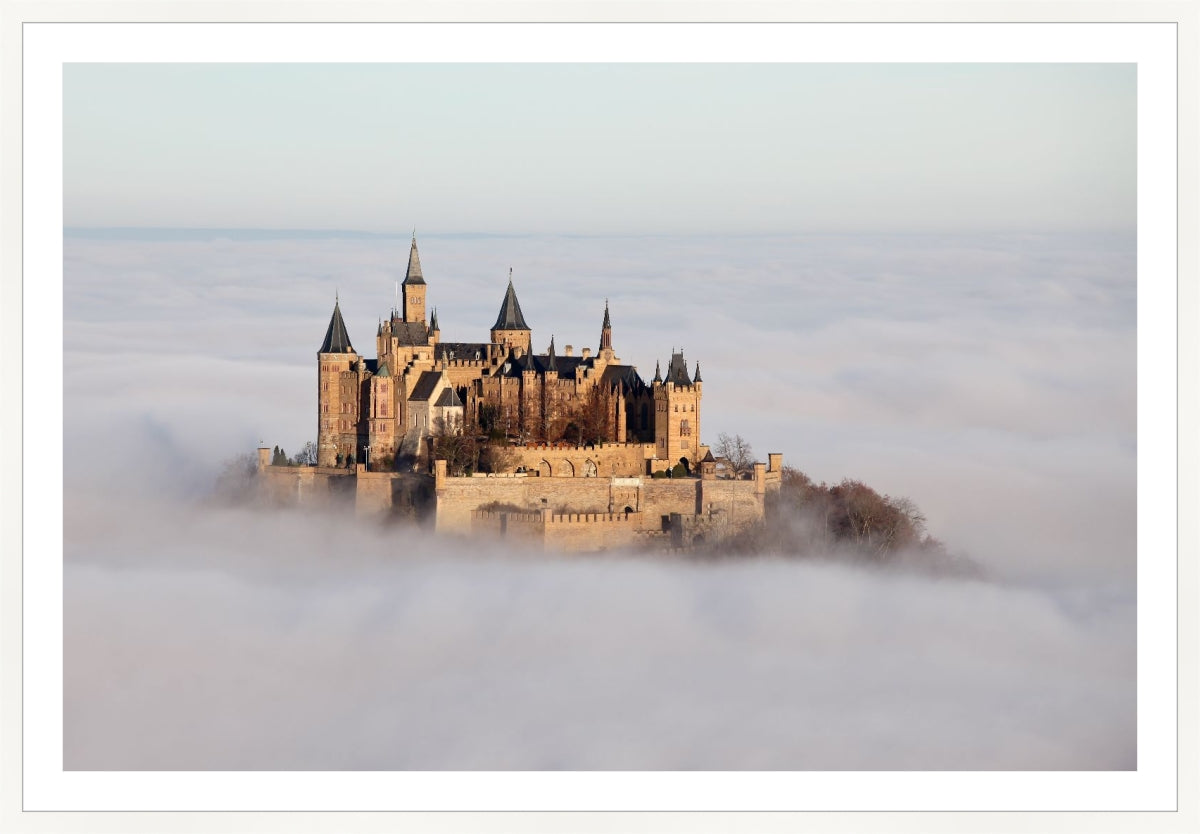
(222, 639)
(990, 378)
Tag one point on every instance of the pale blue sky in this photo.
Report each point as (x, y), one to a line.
(602, 148)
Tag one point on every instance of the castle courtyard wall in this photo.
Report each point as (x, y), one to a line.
(561, 460)
(305, 485)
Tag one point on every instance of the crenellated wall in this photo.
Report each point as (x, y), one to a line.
(572, 514)
(566, 460)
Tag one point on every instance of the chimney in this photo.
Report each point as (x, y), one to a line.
(570, 351)
(587, 352)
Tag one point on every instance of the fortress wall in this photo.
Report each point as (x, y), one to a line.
(525, 530)
(741, 502)
(621, 460)
(457, 497)
(373, 492)
(663, 496)
(305, 485)
(592, 531)
(737, 502)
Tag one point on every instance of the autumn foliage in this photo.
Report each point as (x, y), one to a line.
(846, 520)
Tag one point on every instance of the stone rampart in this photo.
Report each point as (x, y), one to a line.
(567, 460)
(305, 485)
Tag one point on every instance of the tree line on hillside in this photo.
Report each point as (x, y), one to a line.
(846, 520)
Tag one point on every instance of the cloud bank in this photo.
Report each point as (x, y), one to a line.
(229, 640)
(991, 379)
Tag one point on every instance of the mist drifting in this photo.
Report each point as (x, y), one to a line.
(990, 378)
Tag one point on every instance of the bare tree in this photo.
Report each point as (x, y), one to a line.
(237, 480)
(735, 452)
(307, 456)
(459, 448)
(496, 456)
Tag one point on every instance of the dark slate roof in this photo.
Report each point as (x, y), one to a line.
(510, 317)
(382, 371)
(336, 338)
(566, 365)
(373, 365)
(677, 371)
(697, 378)
(433, 325)
(410, 333)
(624, 376)
(708, 457)
(516, 367)
(426, 383)
(657, 371)
(413, 275)
(462, 351)
(550, 366)
(448, 398)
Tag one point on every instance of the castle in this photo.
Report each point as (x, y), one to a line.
(592, 455)
(389, 407)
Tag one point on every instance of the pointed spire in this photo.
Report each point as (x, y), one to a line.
(606, 330)
(336, 338)
(657, 371)
(510, 317)
(413, 275)
(697, 378)
(551, 365)
(433, 325)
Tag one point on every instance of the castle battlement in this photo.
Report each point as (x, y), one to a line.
(591, 518)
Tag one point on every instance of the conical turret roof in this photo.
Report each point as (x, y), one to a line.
(413, 275)
(550, 364)
(336, 338)
(510, 317)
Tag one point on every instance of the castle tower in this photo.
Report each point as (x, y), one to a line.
(337, 393)
(677, 413)
(385, 423)
(414, 286)
(510, 328)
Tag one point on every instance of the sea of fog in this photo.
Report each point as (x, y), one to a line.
(990, 379)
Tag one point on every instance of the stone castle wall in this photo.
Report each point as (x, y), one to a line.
(306, 485)
(565, 460)
(559, 532)
(574, 514)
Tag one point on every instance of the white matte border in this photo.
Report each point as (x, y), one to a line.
(1151, 46)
